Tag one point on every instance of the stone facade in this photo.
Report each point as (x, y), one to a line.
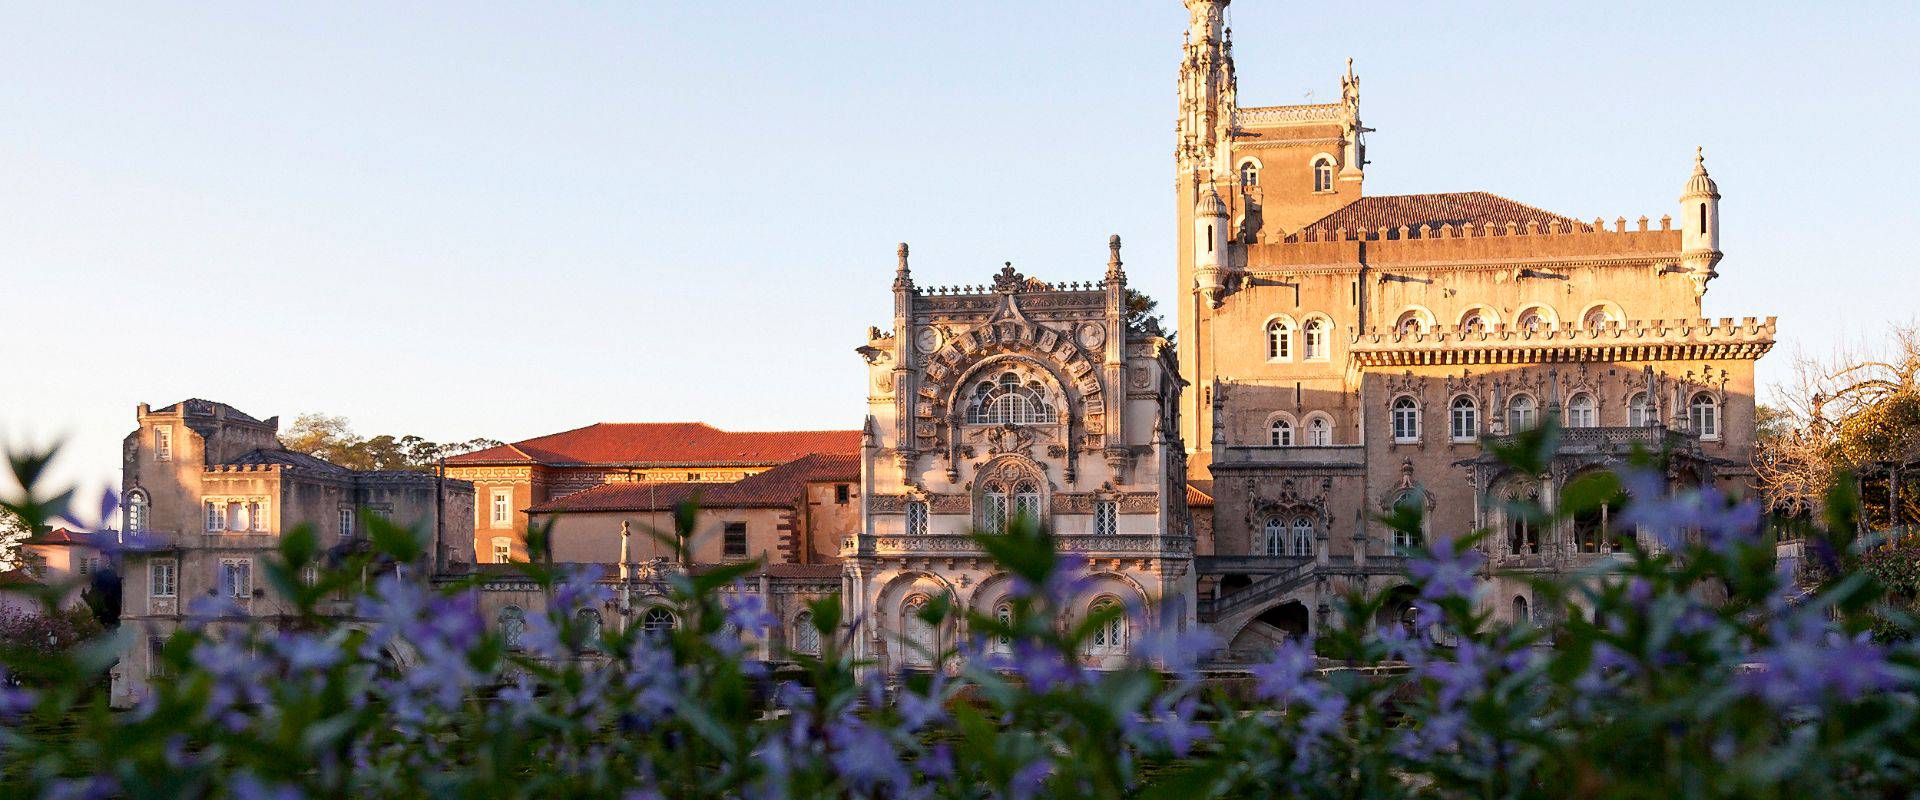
(1019, 397)
(208, 491)
(1346, 350)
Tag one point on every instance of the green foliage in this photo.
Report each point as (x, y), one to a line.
(333, 439)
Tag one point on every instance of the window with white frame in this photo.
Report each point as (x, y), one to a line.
(1639, 411)
(513, 626)
(256, 515)
(1315, 334)
(1319, 432)
(216, 515)
(658, 622)
(1008, 401)
(502, 549)
(1280, 433)
(346, 523)
(1279, 340)
(1323, 174)
(1410, 323)
(1106, 517)
(1474, 322)
(1531, 321)
(1703, 414)
(1273, 538)
(163, 443)
(1302, 536)
(163, 577)
(501, 515)
(921, 640)
(916, 517)
(1522, 413)
(1003, 613)
(1110, 636)
(1464, 419)
(1582, 412)
(138, 510)
(87, 565)
(1026, 500)
(1249, 174)
(1406, 420)
(236, 578)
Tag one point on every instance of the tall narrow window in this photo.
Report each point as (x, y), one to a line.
(1249, 175)
(1521, 616)
(346, 523)
(216, 516)
(1464, 419)
(1406, 420)
(1639, 411)
(513, 626)
(842, 493)
(256, 516)
(1323, 174)
(1280, 434)
(1703, 218)
(806, 638)
(1003, 613)
(1302, 536)
(1315, 332)
(1523, 534)
(502, 549)
(1279, 341)
(1026, 501)
(502, 516)
(1522, 414)
(590, 624)
(163, 577)
(236, 577)
(1273, 538)
(163, 443)
(736, 540)
(1581, 411)
(1106, 517)
(920, 636)
(998, 506)
(138, 510)
(1319, 433)
(917, 518)
(1109, 637)
(1704, 415)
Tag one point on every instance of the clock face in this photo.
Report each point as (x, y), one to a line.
(1092, 336)
(927, 340)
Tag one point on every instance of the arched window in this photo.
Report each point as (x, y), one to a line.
(1249, 174)
(1596, 318)
(1405, 541)
(1520, 613)
(1280, 434)
(1111, 636)
(1474, 322)
(920, 640)
(1406, 420)
(658, 622)
(1315, 333)
(1323, 174)
(1008, 401)
(589, 619)
(1279, 340)
(1582, 412)
(1523, 535)
(513, 626)
(1522, 413)
(1410, 323)
(1463, 419)
(1003, 613)
(1319, 433)
(1531, 321)
(1302, 535)
(138, 511)
(1273, 538)
(1639, 411)
(1703, 414)
(1026, 500)
(806, 638)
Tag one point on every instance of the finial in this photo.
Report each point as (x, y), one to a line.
(1699, 160)
(901, 279)
(903, 256)
(1113, 258)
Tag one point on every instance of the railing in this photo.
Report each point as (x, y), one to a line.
(1341, 455)
(1259, 591)
(1621, 439)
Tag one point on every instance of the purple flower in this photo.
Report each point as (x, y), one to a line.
(1285, 678)
(1809, 660)
(1443, 572)
(747, 611)
(1063, 583)
(305, 652)
(918, 710)
(863, 756)
(14, 700)
(1177, 651)
(580, 588)
(1169, 724)
(938, 762)
(244, 786)
(1671, 517)
(1029, 780)
(1042, 667)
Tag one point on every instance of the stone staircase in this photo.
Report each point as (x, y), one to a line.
(1256, 593)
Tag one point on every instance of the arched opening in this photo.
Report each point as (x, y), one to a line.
(1522, 413)
(1639, 411)
(806, 637)
(1290, 617)
(1464, 419)
(1406, 420)
(658, 622)
(1319, 432)
(1280, 433)
(1703, 415)
(1273, 538)
(1010, 399)
(1582, 412)
(1279, 340)
(1249, 174)
(1110, 637)
(1397, 608)
(920, 642)
(1315, 333)
(1521, 614)
(1323, 174)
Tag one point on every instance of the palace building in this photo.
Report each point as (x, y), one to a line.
(1347, 351)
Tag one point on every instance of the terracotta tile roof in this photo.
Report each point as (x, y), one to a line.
(59, 536)
(17, 577)
(1416, 210)
(1200, 494)
(640, 443)
(779, 487)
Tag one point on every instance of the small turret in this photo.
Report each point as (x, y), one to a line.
(1700, 224)
(1210, 259)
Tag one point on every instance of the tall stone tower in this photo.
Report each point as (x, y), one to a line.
(1203, 126)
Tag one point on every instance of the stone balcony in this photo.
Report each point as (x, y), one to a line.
(1621, 440)
(1351, 456)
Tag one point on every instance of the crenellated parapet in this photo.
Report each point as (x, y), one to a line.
(1635, 340)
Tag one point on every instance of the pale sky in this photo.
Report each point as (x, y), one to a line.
(504, 220)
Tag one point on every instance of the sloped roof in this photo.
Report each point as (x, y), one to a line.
(195, 405)
(664, 443)
(59, 536)
(287, 458)
(17, 577)
(779, 487)
(1417, 210)
(632, 496)
(1200, 494)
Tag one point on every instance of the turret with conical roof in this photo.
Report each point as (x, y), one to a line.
(1700, 224)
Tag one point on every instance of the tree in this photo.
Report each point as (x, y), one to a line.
(12, 532)
(1141, 317)
(333, 439)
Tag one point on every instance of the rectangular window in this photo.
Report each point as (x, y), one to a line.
(1106, 517)
(256, 516)
(156, 662)
(736, 540)
(916, 518)
(163, 577)
(86, 565)
(236, 578)
(346, 523)
(502, 508)
(502, 550)
(216, 516)
(163, 443)
(842, 493)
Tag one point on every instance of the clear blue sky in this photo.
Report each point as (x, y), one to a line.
(464, 219)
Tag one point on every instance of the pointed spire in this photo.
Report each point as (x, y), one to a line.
(1114, 272)
(1700, 184)
(902, 278)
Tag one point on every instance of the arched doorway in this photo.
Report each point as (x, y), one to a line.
(1273, 627)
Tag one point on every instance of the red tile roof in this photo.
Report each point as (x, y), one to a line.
(59, 536)
(17, 577)
(779, 487)
(664, 443)
(1200, 494)
(1416, 210)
